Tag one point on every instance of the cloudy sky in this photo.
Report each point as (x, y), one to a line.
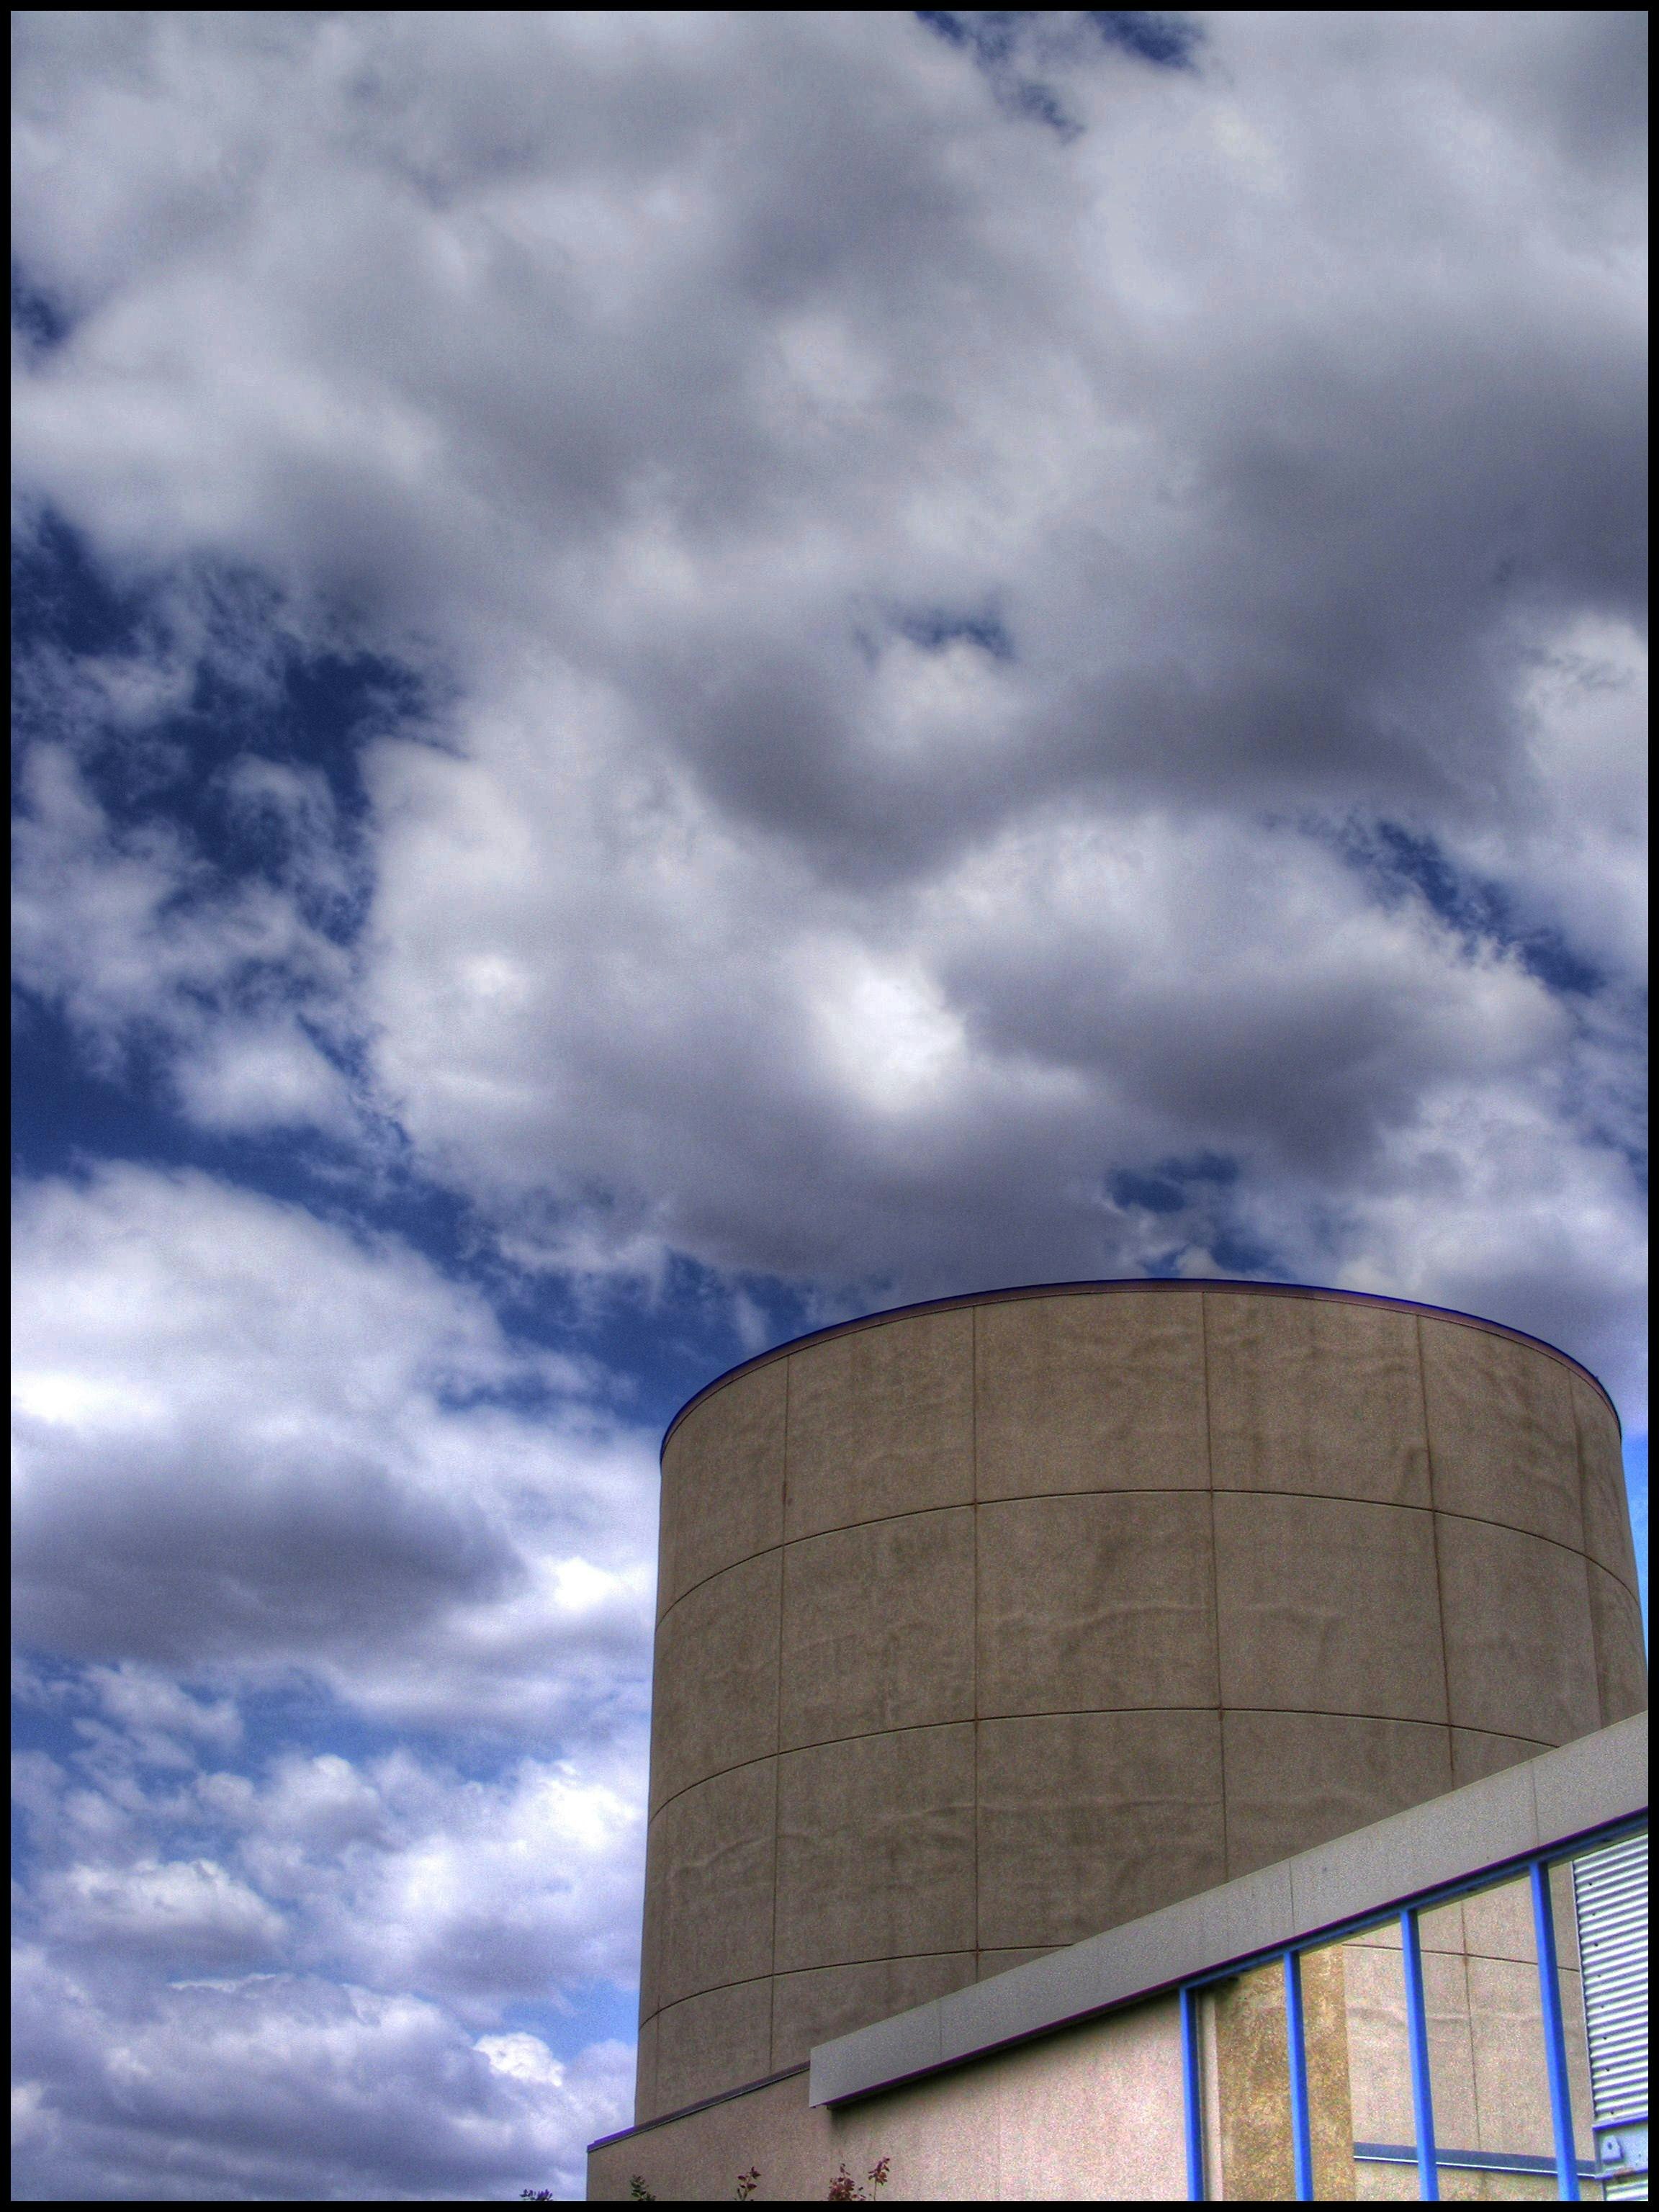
(679, 675)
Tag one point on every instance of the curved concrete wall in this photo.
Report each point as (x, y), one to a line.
(987, 1626)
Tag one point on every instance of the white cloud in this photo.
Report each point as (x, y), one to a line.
(129, 934)
(185, 1911)
(353, 1932)
(289, 2087)
(246, 1436)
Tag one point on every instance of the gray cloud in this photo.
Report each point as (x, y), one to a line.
(249, 1440)
(1286, 420)
(290, 2087)
(1001, 687)
(207, 1950)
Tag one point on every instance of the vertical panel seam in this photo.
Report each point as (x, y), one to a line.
(1467, 2024)
(1589, 1587)
(1215, 1576)
(1434, 1538)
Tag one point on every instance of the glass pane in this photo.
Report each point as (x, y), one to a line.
(1248, 2088)
(1489, 2074)
(1384, 2136)
(1325, 2002)
(1493, 2129)
(1493, 2132)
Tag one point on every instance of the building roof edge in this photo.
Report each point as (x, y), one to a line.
(1109, 1284)
(1536, 1805)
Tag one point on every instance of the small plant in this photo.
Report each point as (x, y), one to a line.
(536, 2196)
(748, 2183)
(637, 2190)
(844, 2189)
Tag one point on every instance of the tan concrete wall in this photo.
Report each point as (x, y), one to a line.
(986, 1628)
(1093, 2112)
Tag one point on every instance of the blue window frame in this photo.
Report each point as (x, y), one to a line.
(1428, 2157)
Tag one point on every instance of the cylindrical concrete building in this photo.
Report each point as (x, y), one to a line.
(987, 1624)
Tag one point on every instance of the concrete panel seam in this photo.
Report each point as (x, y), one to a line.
(1631, 1590)
(694, 1997)
(1434, 1543)
(1215, 1567)
(719, 1774)
(1035, 1496)
(1084, 1712)
(777, 1765)
(1330, 1498)
(1595, 1620)
(1514, 1528)
(764, 1551)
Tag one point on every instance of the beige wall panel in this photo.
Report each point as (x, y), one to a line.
(1312, 1395)
(1475, 1754)
(713, 1844)
(699, 2158)
(1501, 1437)
(1103, 1393)
(722, 1482)
(1621, 1671)
(810, 2008)
(878, 1627)
(1496, 1924)
(1601, 1474)
(1441, 1929)
(1451, 2052)
(1379, 2058)
(880, 1422)
(876, 1849)
(1296, 1779)
(709, 2042)
(1328, 1606)
(1567, 1919)
(1511, 2085)
(651, 1935)
(940, 2134)
(1100, 2105)
(1086, 1820)
(1330, 2094)
(1520, 1653)
(645, 2072)
(1096, 1602)
(1093, 2112)
(715, 1704)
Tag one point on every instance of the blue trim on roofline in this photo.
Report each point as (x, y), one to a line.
(1159, 1282)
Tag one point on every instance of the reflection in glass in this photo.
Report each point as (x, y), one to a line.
(1487, 2071)
(1249, 2069)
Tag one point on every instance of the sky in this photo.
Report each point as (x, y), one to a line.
(677, 676)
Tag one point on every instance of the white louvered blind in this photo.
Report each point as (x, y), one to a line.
(1610, 1889)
